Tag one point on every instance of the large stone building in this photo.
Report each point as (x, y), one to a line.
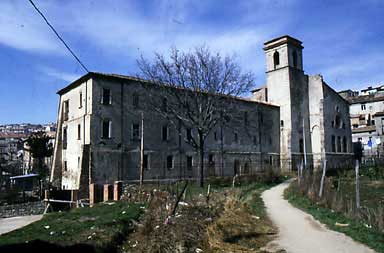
(314, 119)
(98, 128)
(367, 118)
(99, 131)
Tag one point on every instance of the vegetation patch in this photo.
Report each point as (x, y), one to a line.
(101, 226)
(356, 229)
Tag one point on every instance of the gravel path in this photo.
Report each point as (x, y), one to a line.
(9, 224)
(299, 232)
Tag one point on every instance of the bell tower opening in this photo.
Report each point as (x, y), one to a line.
(276, 59)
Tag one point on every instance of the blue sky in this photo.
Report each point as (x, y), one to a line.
(343, 41)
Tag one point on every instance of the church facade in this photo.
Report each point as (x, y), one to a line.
(314, 119)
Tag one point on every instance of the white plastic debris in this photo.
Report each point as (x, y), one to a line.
(89, 237)
(157, 227)
(123, 212)
(93, 227)
(256, 217)
(181, 203)
(341, 224)
(367, 226)
(197, 250)
(47, 227)
(52, 233)
(63, 232)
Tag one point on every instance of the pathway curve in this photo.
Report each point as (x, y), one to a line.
(299, 232)
(13, 223)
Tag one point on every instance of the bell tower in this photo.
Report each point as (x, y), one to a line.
(287, 86)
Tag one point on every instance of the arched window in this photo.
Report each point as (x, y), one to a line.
(294, 58)
(276, 59)
(333, 143)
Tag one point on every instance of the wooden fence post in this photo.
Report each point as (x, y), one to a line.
(322, 178)
(357, 183)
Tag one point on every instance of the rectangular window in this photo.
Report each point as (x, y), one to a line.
(66, 110)
(215, 136)
(146, 162)
(65, 134)
(235, 137)
(333, 143)
(189, 162)
(164, 106)
(338, 144)
(106, 129)
(164, 133)
(106, 99)
(135, 100)
(362, 106)
(254, 140)
(246, 118)
(65, 166)
(79, 132)
(78, 162)
(189, 134)
(282, 123)
(170, 162)
(80, 100)
(210, 159)
(135, 131)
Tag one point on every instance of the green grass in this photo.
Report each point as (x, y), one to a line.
(98, 226)
(356, 229)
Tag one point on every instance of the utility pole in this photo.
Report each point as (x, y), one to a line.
(304, 148)
(142, 150)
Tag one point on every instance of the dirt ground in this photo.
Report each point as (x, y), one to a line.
(231, 220)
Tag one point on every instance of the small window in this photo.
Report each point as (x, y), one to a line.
(80, 100)
(210, 158)
(146, 162)
(106, 99)
(106, 129)
(246, 118)
(362, 106)
(333, 143)
(189, 162)
(282, 123)
(215, 136)
(135, 100)
(338, 144)
(66, 110)
(301, 146)
(276, 59)
(79, 132)
(294, 58)
(235, 137)
(65, 166)
(135, 131)
(345, 144)
(78, 162)
(189, 134)
(170, 162)
(65, 135)
(164, 105)
(164, 133)
(254, 140)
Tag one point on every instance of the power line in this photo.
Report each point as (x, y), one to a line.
(58, 36)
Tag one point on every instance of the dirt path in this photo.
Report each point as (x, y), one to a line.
(10, 224)
(299, 232)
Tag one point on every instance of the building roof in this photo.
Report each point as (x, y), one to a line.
(364, 129)
(118, 77)
(364, 99)
(10, 135)
(378, 114)
(282, 40)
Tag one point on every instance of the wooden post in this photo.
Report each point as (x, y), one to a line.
(74, 198)
(142, 150)
(304, 148)
(107, 192)
(322, 178)
(357, 166)
(91, 194)
(117, 190)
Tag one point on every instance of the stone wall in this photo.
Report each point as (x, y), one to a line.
(23, 209)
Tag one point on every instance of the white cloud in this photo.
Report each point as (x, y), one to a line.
(20, 28)
(60, 75)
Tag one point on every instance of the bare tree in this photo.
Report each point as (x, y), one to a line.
(196, 89)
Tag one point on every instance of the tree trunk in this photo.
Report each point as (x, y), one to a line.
(201, 158)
